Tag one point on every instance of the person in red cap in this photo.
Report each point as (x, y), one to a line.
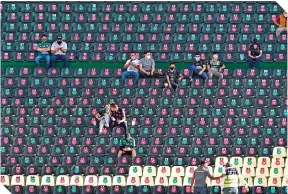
(58, 51)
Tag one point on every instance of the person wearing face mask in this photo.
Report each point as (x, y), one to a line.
(171, 77)
(147, 65)
(215, 66)
(59, 50)
(198, 67)
(281, 22)
(132, 66)
(254, 55)
(43, 48)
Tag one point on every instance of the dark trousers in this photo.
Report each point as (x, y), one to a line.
(63, 58)
(254, 63)
(122, 124)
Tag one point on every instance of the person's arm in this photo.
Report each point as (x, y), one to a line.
(47, 49)
(153, 67)
(54, 49)
(277, 21)
(168, 81)
(249, 54)
(193, 181)
(64, 48)
(259, 54)
(127, 64)
(180, 76)
(222, 67)
(97, 116)
(142, 70)
(203, 69)
(212, 177)
(123, 117)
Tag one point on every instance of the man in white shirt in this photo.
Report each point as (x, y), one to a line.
(58, 51)
(132, 66)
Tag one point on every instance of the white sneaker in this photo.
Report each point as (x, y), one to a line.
(100, 131)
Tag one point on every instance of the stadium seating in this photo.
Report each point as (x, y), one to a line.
(49, 142)
(109, 31)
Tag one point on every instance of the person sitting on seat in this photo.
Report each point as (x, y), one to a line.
(147, 65)
(127, 146)
(103, 117)
(43, 48)
(281, 22)
(254, 55)
(215, 66)
(171, 77)
(117, 116)
(132, 66)
(59, 50)
(198, 67)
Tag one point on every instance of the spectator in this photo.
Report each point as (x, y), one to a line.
(132, 66)
(147, 65)
(215, 66)
(59, 49)
(231, 175)
(43, 48)
(171, 77)
(103, 118)
(127, 146)
(117, 116)
(199, 178)
(281, 22)
(198, 67)
(254, 55)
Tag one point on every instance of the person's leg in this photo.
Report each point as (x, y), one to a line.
(191, 70)
(200, 190)
(136, 75)
(174, 85)
(53, 60)
(251, 62)
(47, 58)
(133, 153)
(120, 153)
(124, 125)
(124, 75)
(101, 125)
(257, 63)
(142, 74)
(280, 30)
(210, 74)
(230, 190)
(218, 74)
(38, 60)
(166, 85)
(64, 58)
(204, 75)
(106, 120)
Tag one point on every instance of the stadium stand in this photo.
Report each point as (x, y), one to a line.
(50, 145)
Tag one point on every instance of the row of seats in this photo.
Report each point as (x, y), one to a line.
(105, 180)
(165, 151)
(151, 7)
(162, 47)
(170, 142)
(116, 189)
(164, 102)
(159, 57)
(180, 38)
(109, 73)
(162, 112)
(141, 18)
(197, 28)
(76, 135)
